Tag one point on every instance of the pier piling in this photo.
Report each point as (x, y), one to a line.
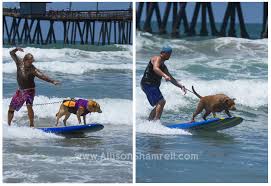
(77, 26)
(233, 12)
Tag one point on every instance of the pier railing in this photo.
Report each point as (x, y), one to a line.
(61, 15)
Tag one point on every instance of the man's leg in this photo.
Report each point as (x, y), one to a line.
(152, 114)
(30, 115)
(155, 97)
(29, 96)
(159, 109)
(10, 115)
(15, 104)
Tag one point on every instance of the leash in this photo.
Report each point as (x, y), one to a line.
(50, 103)
(190, 91)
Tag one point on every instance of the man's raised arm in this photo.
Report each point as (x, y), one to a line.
(13, 54)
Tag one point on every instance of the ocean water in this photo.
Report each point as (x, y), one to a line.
(234, 66)
(101, 73)
(254, 30)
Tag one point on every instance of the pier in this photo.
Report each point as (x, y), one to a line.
(112, 27)
(177, 10)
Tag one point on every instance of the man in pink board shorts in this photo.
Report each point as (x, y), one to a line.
(26, 73)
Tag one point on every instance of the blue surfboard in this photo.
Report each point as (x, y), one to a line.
(71, 130)
(213, 124)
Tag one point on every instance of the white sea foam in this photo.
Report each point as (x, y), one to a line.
(235, 47)
(72, 61)
(250, 93)
(70, 67)
(42, 54)
(15, 132)
(115, 111)
(149, 127)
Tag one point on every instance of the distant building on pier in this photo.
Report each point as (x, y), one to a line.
(37, 8)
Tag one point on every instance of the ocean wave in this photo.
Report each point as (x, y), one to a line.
(115, 111)
(70, 55)
(15, 132)
(70, 67)
(225, 46)
(151, 127)
(249, 93)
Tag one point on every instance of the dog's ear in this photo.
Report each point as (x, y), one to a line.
(92, 103)
(224, 100)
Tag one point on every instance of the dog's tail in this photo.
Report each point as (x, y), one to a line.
(199, 96)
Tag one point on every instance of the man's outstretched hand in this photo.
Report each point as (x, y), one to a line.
(184, 89)
(167, 78)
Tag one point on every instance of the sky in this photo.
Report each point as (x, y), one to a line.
(252, 12)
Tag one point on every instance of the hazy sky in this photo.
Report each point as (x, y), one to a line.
(252, 12)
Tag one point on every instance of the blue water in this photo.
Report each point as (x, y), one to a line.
(101, 73)
(254, 30)
(233, 66)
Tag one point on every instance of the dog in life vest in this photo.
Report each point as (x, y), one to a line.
(80, 107)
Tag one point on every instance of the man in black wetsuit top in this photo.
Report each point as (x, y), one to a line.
(26, 72)
(151, 81)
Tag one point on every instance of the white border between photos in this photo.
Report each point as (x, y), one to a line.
(269, 98)
(1, 94)
(134, 92)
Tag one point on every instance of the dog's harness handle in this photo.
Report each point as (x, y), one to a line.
(72, 99)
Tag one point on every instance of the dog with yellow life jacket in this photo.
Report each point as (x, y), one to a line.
(80, 107)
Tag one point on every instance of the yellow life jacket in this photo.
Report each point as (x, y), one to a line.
(69, 103)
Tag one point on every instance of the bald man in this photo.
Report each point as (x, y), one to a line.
(26, 73)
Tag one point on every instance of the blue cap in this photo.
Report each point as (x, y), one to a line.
(166, 49)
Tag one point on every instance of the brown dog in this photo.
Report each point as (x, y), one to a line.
(213, 104)
(79, 107)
